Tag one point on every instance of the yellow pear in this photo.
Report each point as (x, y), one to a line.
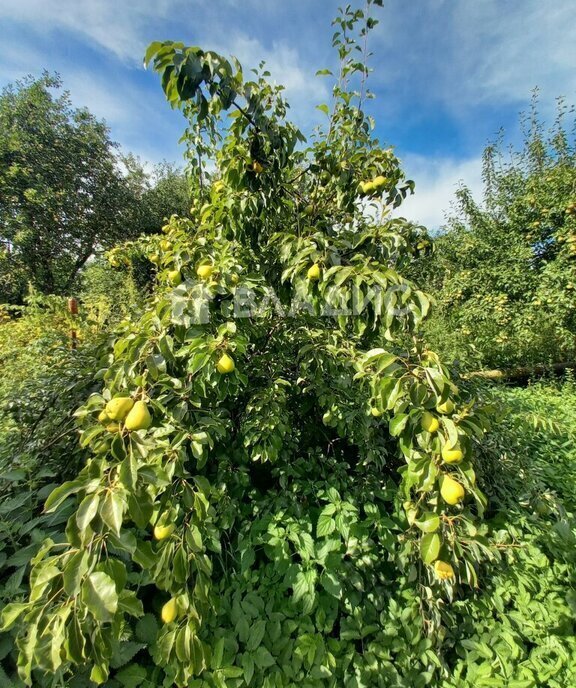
(225, 364)
(154, 258)
(452, 454)
(379, 181)
(118, 408)
(367, 187)
(205, 271)
(446, 407)
(257, 167)
(443, 570)
(314, 272)
(162, 532)
(174, 277)
(113, 427)
(139, 417)
(103, 417)
(429, 422)
(169, 611)
(234, 278)
(309, 209)
(218, 186)
(452, 492)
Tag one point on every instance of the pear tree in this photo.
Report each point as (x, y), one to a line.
(279, 473)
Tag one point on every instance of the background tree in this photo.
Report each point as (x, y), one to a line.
(504, 272)
(64, 193)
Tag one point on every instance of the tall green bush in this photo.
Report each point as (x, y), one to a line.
(503, 273)
(264, 500)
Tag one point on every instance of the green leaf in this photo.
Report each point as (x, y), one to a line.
(144, 555)
(147, 629)
(398, 423)
(75, 569)
(10, 614)
(100, 596)
(217, 654)
(428, 522)
(131, 676)
(61, 493)
(430, 547)
(256, 634)
(151, 50)
(124, 652)
(140, 508)
(99, 673)
(263, 658)
(112, 511)
(130, 604)
(248, 667)
(87, 511)
(323, 108)
(331, 584)
(326, 525)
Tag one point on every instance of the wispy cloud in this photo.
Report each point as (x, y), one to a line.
(463, 54)
(437, 180)
(117, 27)
(447, 74)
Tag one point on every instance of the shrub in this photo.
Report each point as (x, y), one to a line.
(273, 499)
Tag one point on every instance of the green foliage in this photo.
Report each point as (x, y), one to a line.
(43, 380)
(108, 294)
(281, 521)
(62, 194)
(163, 192)
(65, 194)
(503, 274)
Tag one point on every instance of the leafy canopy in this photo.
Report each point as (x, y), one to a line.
(290, 480)
(504, 272)
(64, 195)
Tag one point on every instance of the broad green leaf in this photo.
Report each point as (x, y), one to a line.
(398, 423)
(428, 522)
(256, 635)
(140, 508)
(87, 511)
(75, 569)
(248, 667)
(325, 526)
(331, 584)
(147, 629)
(100, 596)
(430, 547)
(112, 511)
(10, 614)
(263, 659)
(132, 676)
(61, 493)
(99, 673)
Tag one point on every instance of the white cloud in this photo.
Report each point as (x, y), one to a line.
(117, 27)
(124, 29)
(303, 90)
(475, 52)
(437, 180)
(510, 48)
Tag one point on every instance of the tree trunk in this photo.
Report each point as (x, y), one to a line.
(522, 374)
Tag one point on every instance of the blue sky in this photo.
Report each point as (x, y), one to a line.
(448, 73)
